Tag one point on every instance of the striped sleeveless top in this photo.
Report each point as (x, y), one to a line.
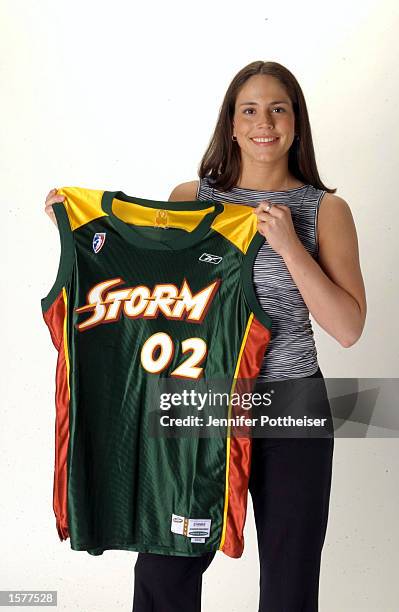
(292, 351)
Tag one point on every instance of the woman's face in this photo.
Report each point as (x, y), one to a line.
(263, 110)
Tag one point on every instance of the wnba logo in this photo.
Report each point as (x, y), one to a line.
(98, 241)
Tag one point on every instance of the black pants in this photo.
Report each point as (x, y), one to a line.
(290, 488)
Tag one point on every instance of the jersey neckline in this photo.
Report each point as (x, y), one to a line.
(175, 243)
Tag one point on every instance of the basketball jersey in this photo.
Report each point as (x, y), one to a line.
(146, 292)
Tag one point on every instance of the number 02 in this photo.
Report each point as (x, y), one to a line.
(158, 351)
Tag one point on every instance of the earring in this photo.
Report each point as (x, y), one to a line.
(234, 138)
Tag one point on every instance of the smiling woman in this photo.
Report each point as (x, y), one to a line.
(261, 155)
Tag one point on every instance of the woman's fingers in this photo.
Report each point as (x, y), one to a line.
(275, 210)
(51, 194)
(263, 217)
(52, 198)
(263, 206)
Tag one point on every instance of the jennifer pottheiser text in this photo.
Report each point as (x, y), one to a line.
(240, 421)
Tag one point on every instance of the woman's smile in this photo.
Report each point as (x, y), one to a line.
(264, 142)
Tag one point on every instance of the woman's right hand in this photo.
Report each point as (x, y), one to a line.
(51, 199)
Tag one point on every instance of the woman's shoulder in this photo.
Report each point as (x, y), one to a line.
(334, 216)
(185, 192)
(331, 203)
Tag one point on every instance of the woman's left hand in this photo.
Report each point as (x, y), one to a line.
(275, 224)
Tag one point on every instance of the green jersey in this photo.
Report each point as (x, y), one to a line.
(149, 291)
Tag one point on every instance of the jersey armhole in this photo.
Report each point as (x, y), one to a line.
(198, 189)
(67, 255)
(316, 220)
(247, 281)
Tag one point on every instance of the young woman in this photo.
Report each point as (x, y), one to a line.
(261, 154)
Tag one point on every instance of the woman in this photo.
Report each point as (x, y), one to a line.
(261, 154)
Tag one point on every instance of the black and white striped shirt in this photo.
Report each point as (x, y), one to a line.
(292, 350)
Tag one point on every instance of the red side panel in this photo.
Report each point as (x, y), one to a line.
(240, 446)
(54, 318)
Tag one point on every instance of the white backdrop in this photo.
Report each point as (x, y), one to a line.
(109, 95)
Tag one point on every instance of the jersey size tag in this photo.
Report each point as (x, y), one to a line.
(196, 529)
(199, 527)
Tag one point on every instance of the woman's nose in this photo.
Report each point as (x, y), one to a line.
(265, 119)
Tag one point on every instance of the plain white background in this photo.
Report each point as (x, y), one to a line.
(109, 95)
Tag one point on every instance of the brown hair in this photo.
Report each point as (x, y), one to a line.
(222, 160)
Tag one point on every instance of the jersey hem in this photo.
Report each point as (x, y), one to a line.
(151, 548)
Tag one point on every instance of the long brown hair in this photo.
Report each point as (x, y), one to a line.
(222, 160)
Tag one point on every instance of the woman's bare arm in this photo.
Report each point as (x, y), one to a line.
(185, 192)
(331, 287)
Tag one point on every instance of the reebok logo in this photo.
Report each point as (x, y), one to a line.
(213, 259)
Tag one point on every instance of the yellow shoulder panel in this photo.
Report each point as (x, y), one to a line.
(82, 205)
(236, 223)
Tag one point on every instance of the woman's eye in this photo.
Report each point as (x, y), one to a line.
(250, 111)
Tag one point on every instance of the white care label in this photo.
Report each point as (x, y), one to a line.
(178, 524)
(199, 527)
(196, 529)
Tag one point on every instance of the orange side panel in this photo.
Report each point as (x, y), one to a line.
(240, 446)
(55, 318)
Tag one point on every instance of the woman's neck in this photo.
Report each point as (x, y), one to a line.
(279, 180)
